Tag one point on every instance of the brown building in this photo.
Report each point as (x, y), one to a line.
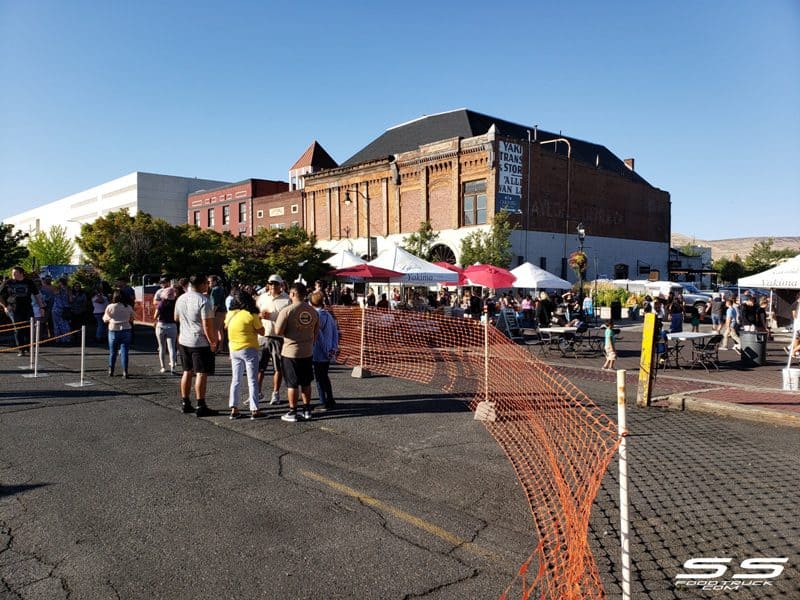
(457, 169)
(278, 211)
(231, 207)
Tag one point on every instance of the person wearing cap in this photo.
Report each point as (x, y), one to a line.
(269, 304)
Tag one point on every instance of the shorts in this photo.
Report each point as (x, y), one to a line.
(197, 360)
(298, 372)
(271, 352)
(716, 320)
(610, 353)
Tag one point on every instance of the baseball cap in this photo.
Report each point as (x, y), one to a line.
(275, 279)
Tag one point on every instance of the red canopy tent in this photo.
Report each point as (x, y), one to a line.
(490, 276)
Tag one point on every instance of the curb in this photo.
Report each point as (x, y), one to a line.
(683, 402)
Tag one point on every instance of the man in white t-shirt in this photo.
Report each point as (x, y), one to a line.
(198, 342)
(269, 304)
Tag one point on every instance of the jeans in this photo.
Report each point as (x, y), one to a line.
(245, 359)
(119, 341)
(167, 334)
(324, 387)
(22, 332)
(102, 328)
(676, 323)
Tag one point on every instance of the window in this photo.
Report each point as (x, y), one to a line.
(277, 225)
(196, 218)
(210, 217)
(475, 202)
(226, 215)
(260, 214)
(242, 212)
(295, 209)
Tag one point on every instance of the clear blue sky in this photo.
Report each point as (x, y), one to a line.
(705, 95)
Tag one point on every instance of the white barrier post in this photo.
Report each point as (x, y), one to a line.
(82, 383)
(35, 350)
(360, 372)
(30, 344)
(624, 526)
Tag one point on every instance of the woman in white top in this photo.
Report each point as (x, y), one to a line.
(119, 316)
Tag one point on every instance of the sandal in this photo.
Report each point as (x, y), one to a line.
(234, 414)
(256, 414)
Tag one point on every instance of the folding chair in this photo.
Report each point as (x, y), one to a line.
(706, 353)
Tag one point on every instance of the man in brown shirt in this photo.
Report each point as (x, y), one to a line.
(298, 323)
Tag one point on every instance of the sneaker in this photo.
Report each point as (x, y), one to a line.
(306, 414)
(235, 414)
(275, 399)
(290, 417)
(203, 411)
(20, 353)
(186, 407)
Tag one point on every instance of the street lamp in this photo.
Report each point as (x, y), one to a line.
(347, 202)
(581, 236)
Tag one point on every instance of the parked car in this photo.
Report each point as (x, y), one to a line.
(694, 297)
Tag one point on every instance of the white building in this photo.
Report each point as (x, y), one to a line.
(162, 196)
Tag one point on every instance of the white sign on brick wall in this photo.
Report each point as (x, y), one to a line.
(509, 176)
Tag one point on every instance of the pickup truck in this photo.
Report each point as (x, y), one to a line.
(694, 297)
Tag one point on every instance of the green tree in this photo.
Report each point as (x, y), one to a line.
(53, 247)
(121, 244)
(689, 249)
(730, 270)
(289, 252)
(491, 247)
(192, 249)
(420, 242)
(763, 256)
(12, 251)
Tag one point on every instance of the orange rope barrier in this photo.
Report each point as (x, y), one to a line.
(14, 326)
(557, 440)
(33, 343)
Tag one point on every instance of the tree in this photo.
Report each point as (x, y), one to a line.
(121, 244)
(12, 251)
(689, 249)
(491, 247)
(192, 249)
(730, 270)
(763, 257)
(289, 252)
(54, 247)
(420, 242)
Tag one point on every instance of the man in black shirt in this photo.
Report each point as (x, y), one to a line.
(16, 297)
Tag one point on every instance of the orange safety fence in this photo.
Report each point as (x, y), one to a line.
(558, 441)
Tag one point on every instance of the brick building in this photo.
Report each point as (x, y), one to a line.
(230, 207)
(457, 169)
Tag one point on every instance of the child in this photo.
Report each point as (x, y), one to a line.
(610, 350)
(695, 316)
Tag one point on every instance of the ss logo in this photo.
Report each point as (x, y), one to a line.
(713, 568)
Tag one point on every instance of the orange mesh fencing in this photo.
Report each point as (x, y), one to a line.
(558, 441)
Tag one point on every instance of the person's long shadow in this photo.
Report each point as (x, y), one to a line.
(12, 490)
(397, 405)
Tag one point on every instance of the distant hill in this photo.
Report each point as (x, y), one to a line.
(741, 246)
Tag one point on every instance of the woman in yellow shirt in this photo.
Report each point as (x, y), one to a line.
(244, 326)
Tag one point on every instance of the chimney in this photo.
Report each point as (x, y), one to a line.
(629, 163)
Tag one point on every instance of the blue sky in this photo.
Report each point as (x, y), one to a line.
(705, 95)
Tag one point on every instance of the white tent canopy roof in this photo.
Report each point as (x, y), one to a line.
(344, 259)
(531, 276)
(783, 276)
(415, 270)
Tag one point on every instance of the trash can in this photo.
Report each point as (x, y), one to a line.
(754, 347)
(616, 310)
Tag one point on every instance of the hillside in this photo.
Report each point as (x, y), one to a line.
(741, 246)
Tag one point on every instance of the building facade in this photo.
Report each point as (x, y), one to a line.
(458, 169)
(230, 207)
(162, 196)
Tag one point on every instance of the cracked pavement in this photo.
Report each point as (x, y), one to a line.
(109, 492)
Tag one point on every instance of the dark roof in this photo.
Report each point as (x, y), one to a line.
(465, 123)
(315, 156)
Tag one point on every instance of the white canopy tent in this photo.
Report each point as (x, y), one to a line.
(416, 271)
(344, 259)
(531, 276)
(784, 276)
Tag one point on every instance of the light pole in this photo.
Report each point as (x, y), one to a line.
(347, 202)
(581, 236)
(566, 216)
